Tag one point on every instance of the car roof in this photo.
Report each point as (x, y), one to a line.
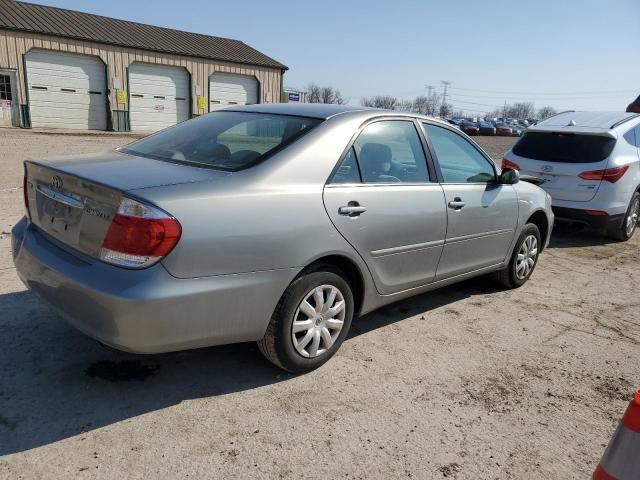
(583, 122)
(325, 111)
(314, 110)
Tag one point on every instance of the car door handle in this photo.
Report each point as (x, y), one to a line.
(352, 210)
(457, 204)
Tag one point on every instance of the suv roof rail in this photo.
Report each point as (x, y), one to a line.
(625, 120)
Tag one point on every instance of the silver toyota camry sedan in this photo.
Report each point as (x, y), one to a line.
(270, 223)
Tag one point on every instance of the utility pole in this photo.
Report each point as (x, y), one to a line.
(429, 90)
(446, 84)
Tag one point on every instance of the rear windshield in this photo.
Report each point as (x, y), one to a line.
(223, 140)
(564, 147)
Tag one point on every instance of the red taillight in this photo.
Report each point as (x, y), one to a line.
(139, 235)
(609, 174)
(151, 237)
(509, 164)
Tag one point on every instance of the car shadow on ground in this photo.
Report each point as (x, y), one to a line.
(571, 235)
(56, 383)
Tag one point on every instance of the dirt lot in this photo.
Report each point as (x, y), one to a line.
(468, 382)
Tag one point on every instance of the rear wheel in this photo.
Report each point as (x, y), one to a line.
(523, 259)
(627, 228)
(310, 322)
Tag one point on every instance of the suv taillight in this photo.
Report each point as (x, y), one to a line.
(509, 164)
(139, 235)
(609, 174)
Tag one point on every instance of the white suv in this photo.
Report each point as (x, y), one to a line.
(590, 165)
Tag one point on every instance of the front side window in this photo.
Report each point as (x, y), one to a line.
(460, 161)
(224, 140)
(390, 151)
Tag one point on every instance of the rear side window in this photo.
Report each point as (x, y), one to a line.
(390, 151)
(633, 137)
(223, 140)
(564, 147)
(347, 171)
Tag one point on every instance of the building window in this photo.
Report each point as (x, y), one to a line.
(5, 87)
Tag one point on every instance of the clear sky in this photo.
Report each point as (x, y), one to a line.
(570, 54)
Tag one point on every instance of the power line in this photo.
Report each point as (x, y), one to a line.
(545, 93)
(475, 103)
(541, 98)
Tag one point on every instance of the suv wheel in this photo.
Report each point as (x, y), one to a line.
(626, 229)
(523, 259)
(310, 322)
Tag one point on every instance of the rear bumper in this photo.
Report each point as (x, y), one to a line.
(581, 216)
(146, 311)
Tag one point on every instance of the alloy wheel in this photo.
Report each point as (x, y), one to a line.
(526, 257)
(318, 321)
(632, 218)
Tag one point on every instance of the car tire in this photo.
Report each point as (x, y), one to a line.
(625, 230)
(284, 348)
(520, 268)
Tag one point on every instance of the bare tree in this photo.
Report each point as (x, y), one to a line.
(498, 112)
(546, 112)
(521, 110)
(405, 106)
(328, 94)
(313, 93)
(426, 105)
(445, 109)
(380, 101)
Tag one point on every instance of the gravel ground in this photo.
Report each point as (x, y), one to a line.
(467, 382)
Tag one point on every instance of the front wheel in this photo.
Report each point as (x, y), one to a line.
(523, 259)
(310, 322)
(626, 230)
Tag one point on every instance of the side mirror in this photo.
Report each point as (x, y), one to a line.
(509, 176)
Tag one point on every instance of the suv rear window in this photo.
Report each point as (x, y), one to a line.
(223, 140)
(564, 147)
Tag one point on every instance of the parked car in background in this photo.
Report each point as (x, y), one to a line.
(273, 223)
(590, 164)
(503, 130)
(634, 107)
(517, 130)
(470, 128)
(487, 128)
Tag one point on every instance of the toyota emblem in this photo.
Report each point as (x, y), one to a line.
(547, 168)
(56, 182)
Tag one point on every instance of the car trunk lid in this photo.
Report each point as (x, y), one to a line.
(74, 199)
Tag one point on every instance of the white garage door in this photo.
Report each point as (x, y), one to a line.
(227, 89)
(66, 91)
(158, 96)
